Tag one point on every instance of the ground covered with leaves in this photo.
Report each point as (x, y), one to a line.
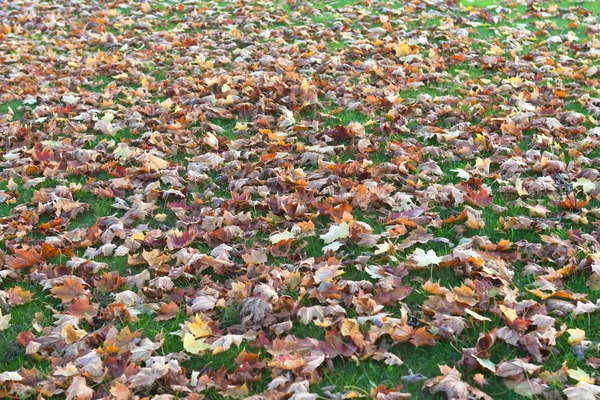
(299, 200)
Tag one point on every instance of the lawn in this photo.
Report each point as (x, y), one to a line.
(300, 199)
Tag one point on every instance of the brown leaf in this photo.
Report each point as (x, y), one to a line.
(421, 337)
(453, 387)
(24, 258)
(71, 288)
(167, 311)
(79, 390)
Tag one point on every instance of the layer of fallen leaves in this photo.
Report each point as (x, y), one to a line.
(269, 168)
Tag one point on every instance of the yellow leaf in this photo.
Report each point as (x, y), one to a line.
(519, 187)
(509, 313)
(241, 126)
(402, 49)
(479, 139)
(198, 328)
(483, 164)
(137, 236)
(477, 316)
(72, 335)
(322, 324)
(579, 375)
(576, 335)
(155, 163)
(278, 237)
(349, 327)
(193, 345)
(515, 81)
(382, 248)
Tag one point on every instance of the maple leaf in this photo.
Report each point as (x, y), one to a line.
(211, 140)
(153, 162)
(198, 328)
(225, 342)
(341, 133)
(382, 248)
(292, 361)
(203, 303)
(71, 288)
(585, 184)
(69, 98)
(516, 368)
(582, 391)
(424, 259)
(579, 375)
(461, 173)
(480, 199)
(327, 273)
(194, 345)
(167, 311)
(10, 376)
(421, 337)
(24, 258)
(477, 316)
(120, 391)
(254, 309)
(336, 232)
(82, 308)
(527, 387)
(576, 335)
(451, 384)
(178, 240)
(79, 390)
(278, 237)
(474, 221)
(4, 321)
(72, 335)
(401, 49)
(308, 314)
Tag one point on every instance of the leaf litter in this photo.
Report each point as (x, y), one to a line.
(248, 200)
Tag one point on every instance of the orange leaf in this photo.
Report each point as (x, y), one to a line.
(24, 258)
(70, 289)
(480, 199)
(421, 337)
(81, 308)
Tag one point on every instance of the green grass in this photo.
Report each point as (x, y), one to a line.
(12, 110)
(13, 354)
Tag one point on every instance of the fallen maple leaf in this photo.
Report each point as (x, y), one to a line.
(4, 321)
(24, 258)
(585, 184)
(453, 387)
(278, 237)
(79, 390)
(71, 288)
(336, 232)
(424, 259)
(579, 375)
(194, 345)
(198, 328)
